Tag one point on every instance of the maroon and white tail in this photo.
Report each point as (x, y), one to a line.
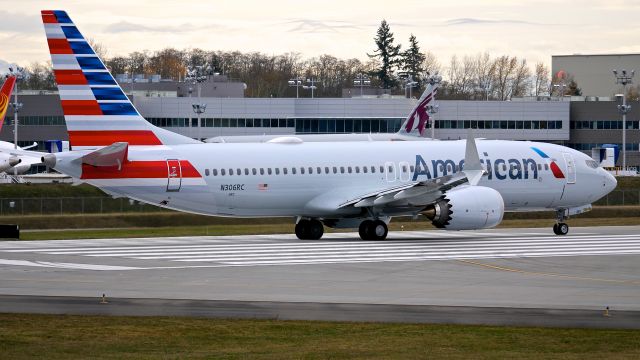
(419, 119)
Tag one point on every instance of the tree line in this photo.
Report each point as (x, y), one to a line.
(468, 77)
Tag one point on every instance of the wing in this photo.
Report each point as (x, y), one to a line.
(420, 193)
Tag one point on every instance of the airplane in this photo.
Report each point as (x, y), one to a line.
(412, 129)
(457, 185)
(9, 161)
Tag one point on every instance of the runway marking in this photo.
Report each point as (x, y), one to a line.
(336, 248)
(565, 276)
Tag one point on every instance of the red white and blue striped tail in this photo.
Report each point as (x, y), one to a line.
(96, 110)
(5, 97)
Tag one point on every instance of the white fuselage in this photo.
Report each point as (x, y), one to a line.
(329, 174)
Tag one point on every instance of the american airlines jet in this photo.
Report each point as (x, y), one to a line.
(457, 185)
(412, 129)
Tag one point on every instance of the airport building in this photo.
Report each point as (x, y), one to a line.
(574, 122)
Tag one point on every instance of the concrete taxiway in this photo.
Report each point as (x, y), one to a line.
(523, 276)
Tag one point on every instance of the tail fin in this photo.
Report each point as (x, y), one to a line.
(418, 119)
(96, 110)
(5, 97)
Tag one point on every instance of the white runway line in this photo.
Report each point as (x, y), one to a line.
(269, 250)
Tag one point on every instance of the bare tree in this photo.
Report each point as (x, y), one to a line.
(504, 72)
(541, 83)
(521, 79)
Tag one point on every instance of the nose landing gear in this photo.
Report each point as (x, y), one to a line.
(561, 228)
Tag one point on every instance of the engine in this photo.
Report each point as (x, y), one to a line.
(467, 208)
(8, 163)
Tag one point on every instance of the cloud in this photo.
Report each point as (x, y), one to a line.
(318, 26)
(476, 21)
(19, 23)
(125, 26)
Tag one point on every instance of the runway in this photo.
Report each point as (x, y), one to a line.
(589, 269)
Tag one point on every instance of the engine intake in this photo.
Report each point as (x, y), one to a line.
(467, 208)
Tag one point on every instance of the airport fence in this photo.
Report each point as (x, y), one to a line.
(72, 205)
(105, 205)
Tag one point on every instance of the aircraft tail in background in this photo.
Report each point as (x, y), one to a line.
(5, 97)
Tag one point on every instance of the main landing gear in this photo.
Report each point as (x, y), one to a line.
(373, 230)
(561, 228)
(309, 229)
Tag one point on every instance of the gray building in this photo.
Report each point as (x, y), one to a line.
(593, 73)
(153, 86)
(578, 124)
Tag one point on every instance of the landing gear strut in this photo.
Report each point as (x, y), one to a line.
(309, 229)
(373, 230)
(561, 228)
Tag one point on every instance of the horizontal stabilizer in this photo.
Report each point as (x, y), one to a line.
(112, 155)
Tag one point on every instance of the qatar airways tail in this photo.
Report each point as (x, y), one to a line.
(455, 185)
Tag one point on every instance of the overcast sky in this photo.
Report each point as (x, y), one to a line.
(534, 30)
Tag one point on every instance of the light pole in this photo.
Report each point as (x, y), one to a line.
(197, 75)
(19, 74)
(361, 80)
(433, 80)
(409, 84)
(624, 78)
(297, 82)
(312, 86)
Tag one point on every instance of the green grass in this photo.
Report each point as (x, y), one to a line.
(96, 337)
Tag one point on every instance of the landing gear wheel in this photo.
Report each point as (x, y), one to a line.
(302, 229)
(561, 229)
(365, 230)
(316, 230)
(379, 230)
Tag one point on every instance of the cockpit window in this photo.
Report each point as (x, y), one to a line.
(592, 164)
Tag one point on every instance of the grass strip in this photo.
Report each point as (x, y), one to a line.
(24, 336)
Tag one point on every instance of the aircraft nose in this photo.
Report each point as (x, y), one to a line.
(610, 182)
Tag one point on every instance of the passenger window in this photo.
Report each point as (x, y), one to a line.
(269, 171)
(373, 169)
(215, 172)
(230, 171)
(357, 169)
(326, 169)
(310, 170)
(238, 171)
(364, 169)
(404, 168)
(246, 171)
(302, 170)
(206, 172)
(319, 170)
(335, 170)
(381, 169)
(504, 167)
(261, 171)
(412, 168)
(349, 169)
(222, 172)
(277, 171)
(254, 171)
(284, 171)
(546, 167)
(391, 168)
(539, 167)
(293, 171)
(342, 169)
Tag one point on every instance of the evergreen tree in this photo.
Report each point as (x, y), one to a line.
(388, 55)
(413, 59)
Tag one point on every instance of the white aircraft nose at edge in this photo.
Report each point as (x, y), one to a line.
(457, 185)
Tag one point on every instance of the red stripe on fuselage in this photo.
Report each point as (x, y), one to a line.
(556, 170)
(137, 170)
(70, 77)
(59, 46)
(108, 137)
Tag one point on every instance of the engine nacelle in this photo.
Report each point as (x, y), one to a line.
(8, 163)
(467, 208)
